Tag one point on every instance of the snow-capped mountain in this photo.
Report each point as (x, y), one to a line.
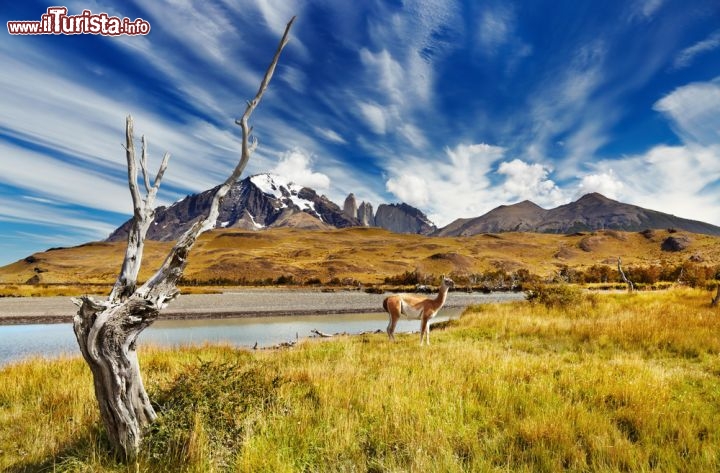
(268, 200)
(256, 202)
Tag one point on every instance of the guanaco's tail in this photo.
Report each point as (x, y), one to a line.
(385, 305)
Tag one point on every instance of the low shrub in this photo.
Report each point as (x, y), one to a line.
(209, 408)
(560, 296)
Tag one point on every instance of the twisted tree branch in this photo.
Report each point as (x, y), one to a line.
(630, 285)
(161, 287)
(143, 214)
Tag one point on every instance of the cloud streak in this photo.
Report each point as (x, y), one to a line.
(693, 109)
(687, 56)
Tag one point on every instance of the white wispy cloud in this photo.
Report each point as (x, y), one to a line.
(65, 221)
(48, 178)
(277, 13)
(414, 136)
(644, 9)
(330, 135)
(680, 179)
(395, 90)
(529, 181)
(671, 179)
(566, 105)
(454, 185)
(688, 55)
(296, 165)
(374, 116)
(583, 142)
(606, 183)
(693, 110)
(497, 36)
(41, 200)
(388, 73)
(495, 27)
(398, 72)
(88, 125)
(294, 77)
(650, 7)
(428, 17)
(412, 188)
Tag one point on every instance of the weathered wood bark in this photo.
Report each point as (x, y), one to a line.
(107, 330)
(107, 334)
(321, 334)
(143, 214)
(630, 285)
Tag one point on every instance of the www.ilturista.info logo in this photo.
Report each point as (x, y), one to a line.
(57, 21)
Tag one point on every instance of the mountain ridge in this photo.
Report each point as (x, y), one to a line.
(268, 201)
(590, 212)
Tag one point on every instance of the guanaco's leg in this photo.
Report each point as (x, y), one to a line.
(392, 306)
(424, 330)
(391, 326)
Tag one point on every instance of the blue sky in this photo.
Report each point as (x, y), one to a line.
(454, 107)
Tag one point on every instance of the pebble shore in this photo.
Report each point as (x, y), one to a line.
(250, 303)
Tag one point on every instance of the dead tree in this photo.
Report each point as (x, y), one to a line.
(630, 285)
(107, 330)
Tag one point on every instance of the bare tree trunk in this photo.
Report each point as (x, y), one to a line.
(107, 331)
(107, 336)
(630, 285)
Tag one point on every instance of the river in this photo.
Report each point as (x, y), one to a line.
(55, 339)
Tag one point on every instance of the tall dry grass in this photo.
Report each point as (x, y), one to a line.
(616, 382)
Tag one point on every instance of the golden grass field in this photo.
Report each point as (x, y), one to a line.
(609, 382)
(367, 255)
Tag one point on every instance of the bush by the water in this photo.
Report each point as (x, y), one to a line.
(558, 296)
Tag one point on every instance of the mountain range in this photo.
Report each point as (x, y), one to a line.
(269, 201)
(589, 213)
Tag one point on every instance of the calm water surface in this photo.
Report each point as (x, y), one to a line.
(49, 340)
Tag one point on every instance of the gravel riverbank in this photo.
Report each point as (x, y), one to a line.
(251, 303)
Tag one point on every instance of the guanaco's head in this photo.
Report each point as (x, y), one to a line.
(447, 282)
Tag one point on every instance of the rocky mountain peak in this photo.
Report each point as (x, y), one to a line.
(403, 218)
(350, 207)
(365, 214)
(590, 212)
(269, 200)
(525, 205)
(594, 197)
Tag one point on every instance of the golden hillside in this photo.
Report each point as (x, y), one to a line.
(368, 255)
